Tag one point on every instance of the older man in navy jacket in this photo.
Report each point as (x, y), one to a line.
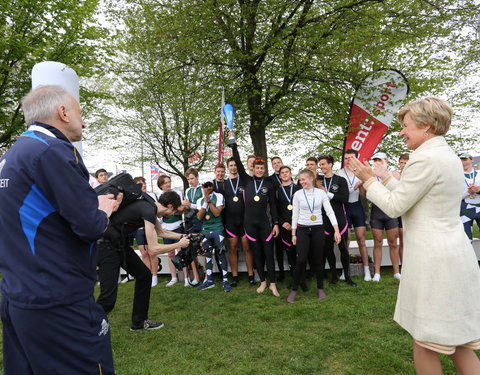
(50, 219)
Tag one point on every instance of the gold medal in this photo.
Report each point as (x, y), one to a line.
(235, 199)
(472, 196)
(256, 198)
(290, 207)
(313, 218)
(207, 217)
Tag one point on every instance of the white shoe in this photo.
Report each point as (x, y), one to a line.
(367, 277)
(376, 277)
(342, 276)
(127, 279)
(172, 282)
(397, 276)
(154, 281)
(187, 283)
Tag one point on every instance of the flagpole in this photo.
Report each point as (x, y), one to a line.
(220, 132)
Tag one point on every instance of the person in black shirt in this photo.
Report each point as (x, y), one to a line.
(259, 194)
(336, 188)
(115, 252)
(233, 215)
(284, 195)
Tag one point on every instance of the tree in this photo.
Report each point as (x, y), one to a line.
(296, 64)
(32, 31)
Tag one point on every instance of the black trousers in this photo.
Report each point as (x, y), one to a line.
(110, 259)
(310, 241)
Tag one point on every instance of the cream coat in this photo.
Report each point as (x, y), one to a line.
(439, 295)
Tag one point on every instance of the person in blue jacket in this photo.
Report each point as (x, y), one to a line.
(50, 219)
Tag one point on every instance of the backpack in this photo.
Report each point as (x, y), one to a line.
(122, 183)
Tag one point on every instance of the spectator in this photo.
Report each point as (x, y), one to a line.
(50, 218)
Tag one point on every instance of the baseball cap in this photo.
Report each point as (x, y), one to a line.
(464, 155)
(380, 155)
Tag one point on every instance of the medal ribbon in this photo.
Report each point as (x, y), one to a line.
(236, 187)
(348, 178)
(255, 183)
(308, 204)
(473, 181)
(325, 183)
(285, 193)
(193, 195)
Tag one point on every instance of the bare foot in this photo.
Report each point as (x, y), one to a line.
(262, 287)
(321, 294)
(273, 288)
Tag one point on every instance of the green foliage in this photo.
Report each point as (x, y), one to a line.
(295, 65)
(32, 31)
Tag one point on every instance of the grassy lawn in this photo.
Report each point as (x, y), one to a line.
(212, 332)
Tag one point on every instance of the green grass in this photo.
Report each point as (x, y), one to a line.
(212, 332)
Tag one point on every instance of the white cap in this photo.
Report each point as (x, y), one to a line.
(380, 155)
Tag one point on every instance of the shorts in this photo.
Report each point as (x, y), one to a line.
(180, 230)
(447, 349)
(355, 214)
(140, 237)
(234, 226)
(380, 220)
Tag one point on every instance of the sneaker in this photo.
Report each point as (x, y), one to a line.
(251, 280)
(397, 276)
(207, 285)
(147, 324)
(187, 283)
(194, 282)
(172, 282)
(226, 286)
(367, 277)
(376, 277)
(234, 282)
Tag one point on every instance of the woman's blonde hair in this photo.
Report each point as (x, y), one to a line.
(429, 111)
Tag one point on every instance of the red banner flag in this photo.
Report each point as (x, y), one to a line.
(375, 104)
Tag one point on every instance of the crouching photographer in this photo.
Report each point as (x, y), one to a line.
(115, 252)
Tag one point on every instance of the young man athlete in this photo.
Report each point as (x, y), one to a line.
(354, 210)
(336, 188)
(470, 205)
(233, 215)
(210, 208)
(284, 196)
(259, 194)
(380, 221)
(277, 163)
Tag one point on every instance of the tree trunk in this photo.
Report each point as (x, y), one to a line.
(257, 134)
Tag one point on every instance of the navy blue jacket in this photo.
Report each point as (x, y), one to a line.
(49, 222)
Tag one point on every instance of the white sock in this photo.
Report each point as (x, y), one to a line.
(154, 280)
(342, 276)
(376, 277)
(397, 275)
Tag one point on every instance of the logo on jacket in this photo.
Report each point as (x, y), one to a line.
(3, 181)
(104, 329)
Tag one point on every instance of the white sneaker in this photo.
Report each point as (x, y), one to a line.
(376, 277)
(154, 281)
(127, 279)
(367, 277)
(187, 283)
(172, 282)
(342, 276)
(397, 276)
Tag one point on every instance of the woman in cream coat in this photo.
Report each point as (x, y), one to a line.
(438, 300)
